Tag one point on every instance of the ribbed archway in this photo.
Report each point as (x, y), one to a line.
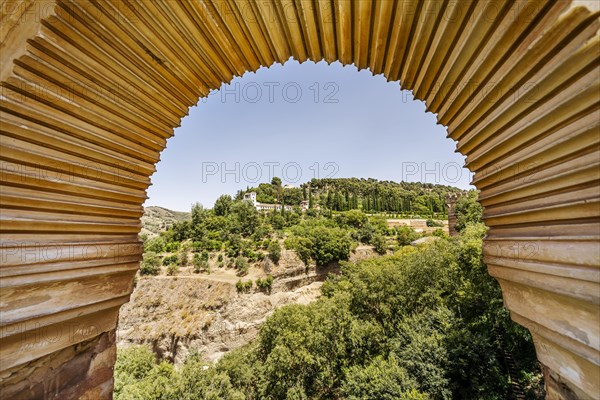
(91, 90)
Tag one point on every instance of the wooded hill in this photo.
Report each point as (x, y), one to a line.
(369, 195)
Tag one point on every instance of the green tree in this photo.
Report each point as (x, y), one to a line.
(421, 350)
(274, 251)
(197, 382)
(155, 245)
(292, 196)
(380, 243)
(234, 245)
(382, 379)
(223, 205)
(365, 233)
(468, 210)
(276, 181)
(139, 376)
(329, 245)
(245, 216)
(355, 218)
(198, 214)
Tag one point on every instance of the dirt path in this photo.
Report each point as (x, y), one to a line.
(226, 275)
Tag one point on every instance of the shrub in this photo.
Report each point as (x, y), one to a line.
(172, 269)
(150, 264)
(182, 258)
(243, 286)
(205, 255)
(439, 233)
(231, 253)
(251, 255)
(366, 233)
(380, 244)
(196, 246)
(169, 260)
(231, 262)
(155, 245)
(172, 247)
(241, 264)
(213, 244)
(200, 263)
(431, 223)
(406, 235)
(265, 284)
(220, 258)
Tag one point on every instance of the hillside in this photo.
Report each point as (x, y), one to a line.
(369, 195)
(190, 312)
(157, 219)
(425, 322)
(318, 304)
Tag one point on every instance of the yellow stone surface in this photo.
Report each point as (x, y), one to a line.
(90, 91)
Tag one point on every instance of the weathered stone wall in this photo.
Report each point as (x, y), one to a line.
(92, 90)
(82, 371)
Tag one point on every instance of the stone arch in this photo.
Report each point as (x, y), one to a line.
(92, 90)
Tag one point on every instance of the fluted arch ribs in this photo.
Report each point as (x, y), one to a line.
(91, 90)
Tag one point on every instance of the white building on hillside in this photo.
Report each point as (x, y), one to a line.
(251, 197)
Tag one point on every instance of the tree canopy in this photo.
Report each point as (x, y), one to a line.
(422, 323)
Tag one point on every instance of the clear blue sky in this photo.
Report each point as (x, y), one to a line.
(298, 122)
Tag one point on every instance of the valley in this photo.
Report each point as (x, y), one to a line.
(205, 312)
(333, 290)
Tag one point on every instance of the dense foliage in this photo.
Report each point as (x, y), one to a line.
(239, 235)
(468, 210)
(423, 323)
(343, 213)
(369, 195)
